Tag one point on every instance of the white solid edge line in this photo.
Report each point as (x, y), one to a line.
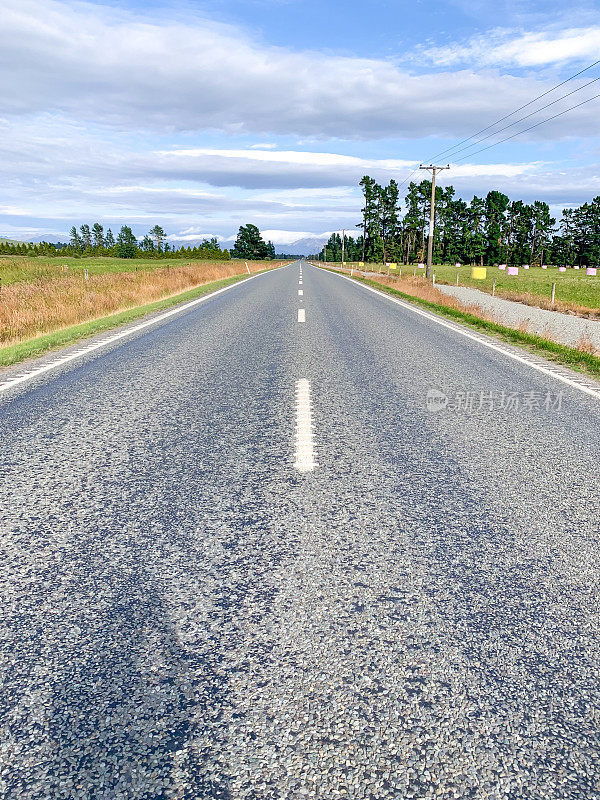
(121, 335)
(457, 329)
(301, 315)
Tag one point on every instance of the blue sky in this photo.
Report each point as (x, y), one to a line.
(205, 116)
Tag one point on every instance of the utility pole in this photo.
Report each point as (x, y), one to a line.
(431, 215)
(363, 241)
(343, 237)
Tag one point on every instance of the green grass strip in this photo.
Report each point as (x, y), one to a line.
(51, 341)
(559, 353)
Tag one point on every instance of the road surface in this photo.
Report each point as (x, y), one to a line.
(246, 556)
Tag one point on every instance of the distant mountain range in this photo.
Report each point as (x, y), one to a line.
(49, 237)
(308, 246)
(300, 247)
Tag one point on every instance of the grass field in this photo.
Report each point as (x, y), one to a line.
(15, 269)
(41, 299)
(575, 291)
(29, 348)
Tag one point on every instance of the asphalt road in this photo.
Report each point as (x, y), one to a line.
(188, 614)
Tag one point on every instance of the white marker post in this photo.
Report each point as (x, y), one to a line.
(247, 267)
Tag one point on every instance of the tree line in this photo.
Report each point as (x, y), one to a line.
(488, 230)
(95, 241)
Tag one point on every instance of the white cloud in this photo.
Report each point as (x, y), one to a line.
(13, 211)
(284, 237)
(508, 48)
(136, 72)
(192, 237)
(290, 157)
(77, 110)
(491, 170)
(300, 170)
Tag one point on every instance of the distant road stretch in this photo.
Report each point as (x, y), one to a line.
(299, 541)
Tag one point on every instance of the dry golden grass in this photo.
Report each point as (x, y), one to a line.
(31, 309)
(586, 345)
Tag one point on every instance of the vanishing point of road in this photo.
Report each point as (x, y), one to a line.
(299, 541)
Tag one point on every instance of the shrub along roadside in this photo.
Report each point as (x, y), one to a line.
(559, 353)
(30, 348)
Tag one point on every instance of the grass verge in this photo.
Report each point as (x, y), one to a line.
(13, 354)
(559, 353)
(576, 292)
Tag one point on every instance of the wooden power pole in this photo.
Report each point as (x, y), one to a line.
(431, 215)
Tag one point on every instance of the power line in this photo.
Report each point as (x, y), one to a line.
(516, 111)
(516, 122)
(531, 127)
(527, 116)
(414, 172)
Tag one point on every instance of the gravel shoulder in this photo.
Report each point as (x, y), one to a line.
(561, 327)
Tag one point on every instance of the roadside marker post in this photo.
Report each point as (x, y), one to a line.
(494, 287)
(247, 267)
(553, 292)
(86, 274)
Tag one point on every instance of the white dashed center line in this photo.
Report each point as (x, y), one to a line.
(305, 454)
(301, 315)
(300, 292)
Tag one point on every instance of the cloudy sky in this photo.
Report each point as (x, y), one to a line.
(202, 116)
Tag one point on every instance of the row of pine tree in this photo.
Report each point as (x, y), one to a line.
(95, 241)
(489, 230)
